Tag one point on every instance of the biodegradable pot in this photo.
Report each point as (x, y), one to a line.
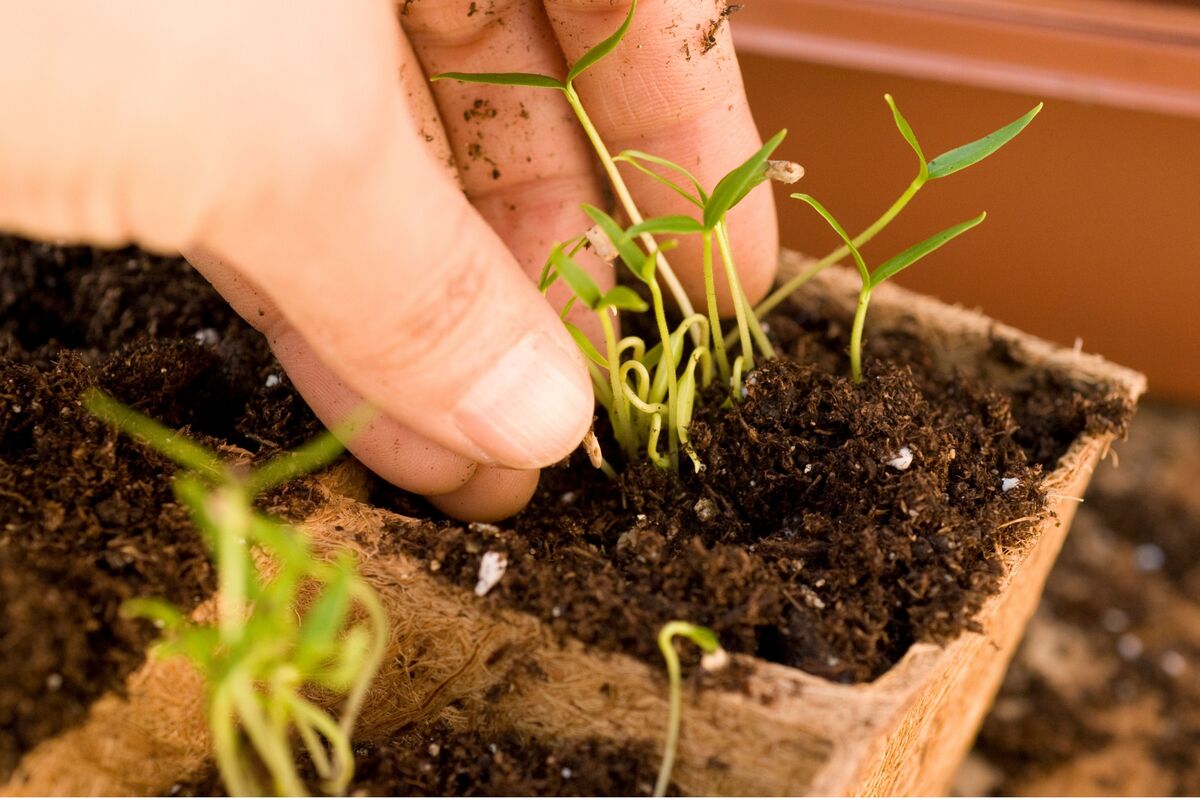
(789, 733)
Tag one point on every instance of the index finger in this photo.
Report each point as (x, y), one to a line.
(673, 88)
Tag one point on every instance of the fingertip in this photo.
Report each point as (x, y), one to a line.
(492, 494)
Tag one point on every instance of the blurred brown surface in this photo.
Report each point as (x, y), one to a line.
(1103, 696)
(1094, 212)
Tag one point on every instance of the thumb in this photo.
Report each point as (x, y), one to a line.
(400, 287)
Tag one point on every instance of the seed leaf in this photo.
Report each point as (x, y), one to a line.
(907, 132)
(833, 223)
(630, 253)
(918, 251)
(502, 79)
(576, 277)
(585, 344)
(624, 299)
(738, 183)
(604, 48)
(635, 158)
(679, 224)
(972, 153)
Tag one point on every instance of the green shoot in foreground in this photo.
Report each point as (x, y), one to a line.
(265, 649)
(706, 640)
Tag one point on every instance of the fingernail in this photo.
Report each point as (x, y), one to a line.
(531, 408)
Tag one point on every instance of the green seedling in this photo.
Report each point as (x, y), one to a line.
(714, 208)
(890, 268)
(567, 87)
(942, 166)
(706, 640)
(264, 652)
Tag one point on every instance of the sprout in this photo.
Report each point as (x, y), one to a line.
(706, 640)
(944, 165)
(263, 653)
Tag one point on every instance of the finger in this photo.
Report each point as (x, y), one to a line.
(524, 162)
(673, 88)
(495, 493)
(390, 450)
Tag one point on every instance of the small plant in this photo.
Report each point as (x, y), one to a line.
(262, 651)
(706, 640)
(946, 164)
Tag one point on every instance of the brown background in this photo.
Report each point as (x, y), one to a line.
(1093, 226)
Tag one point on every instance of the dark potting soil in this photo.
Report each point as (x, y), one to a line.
(435, 761)
(798, 543)
(89, 520)
(808, 539)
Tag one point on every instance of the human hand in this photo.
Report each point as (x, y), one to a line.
(273, 143)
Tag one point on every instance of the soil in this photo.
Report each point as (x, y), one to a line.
(826, 557)
(1102, 697)
(436, 761)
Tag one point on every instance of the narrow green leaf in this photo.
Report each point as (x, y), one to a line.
(585, 344)
(702, 637)
(312, 455)
(172, 444)
(907, 132)
(604, 48)
(738, 183)
(631, 255)
(863, 272)
(325, 618)
(634, 158)
(576, 277)
(959, 158)
(915, 253)
(502, 79)
(624, 299)
(650, 360)
(649, 264)
(679, 224)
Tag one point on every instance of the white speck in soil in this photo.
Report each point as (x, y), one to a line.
(567, 498)
(54, 681)
(1008, 484)
(207, 337)
(16, 409)
(1130, 647)
(491, 569)
(1149, 557)
(807, 468)
(1172, 663)
(272, 381)
(556, 612)
(903, 460)
(1114, 620)
(705, 509)
(483, 527)
(566, 773)
(434, 749)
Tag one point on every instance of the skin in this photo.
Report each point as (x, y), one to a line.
(380, 233)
